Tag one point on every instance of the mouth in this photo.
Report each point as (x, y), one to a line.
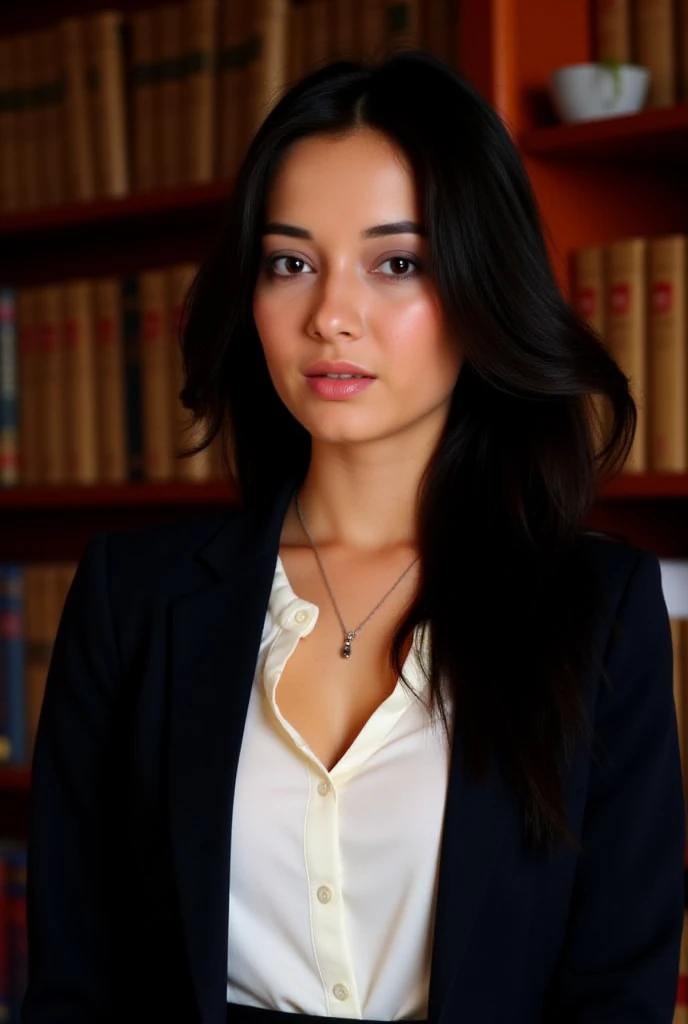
(338, 370)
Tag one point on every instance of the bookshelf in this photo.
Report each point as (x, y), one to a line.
(507, 48)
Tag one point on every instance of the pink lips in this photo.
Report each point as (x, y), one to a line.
(337, 389)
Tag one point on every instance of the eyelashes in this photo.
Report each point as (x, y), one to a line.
(271, 263)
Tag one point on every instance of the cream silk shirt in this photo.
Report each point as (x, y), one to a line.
(333, 874)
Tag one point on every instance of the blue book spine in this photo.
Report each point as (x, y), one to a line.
(12, 692)
(9, 461)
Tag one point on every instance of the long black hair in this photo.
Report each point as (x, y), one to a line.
(505, 590)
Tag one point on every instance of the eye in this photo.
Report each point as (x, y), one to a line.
(287, 266)
(401, 266)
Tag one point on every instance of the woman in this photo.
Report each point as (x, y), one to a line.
(393, 738)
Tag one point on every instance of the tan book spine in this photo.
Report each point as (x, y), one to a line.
(587, 285)
(144, 91)
(437, 29)
(186, 433)
(667, 269)
(29, 408)
(655, 40)
(626, 331)
(49, 387)
(402, 24)
(28, 126)
(612, 35)
(81, 446)
(77, 124)
(343, 29)
(683, 49)
(52, 151)
(230, 75)
(267, 69)
(108, 102)
(372, 28)
(169, 111)
(318, 32)
(110, 381)
(588, 300)
(297, 40)
(199, 137)
(156, 385)
(9, 98)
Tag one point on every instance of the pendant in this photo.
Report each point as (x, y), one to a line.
(346, 649)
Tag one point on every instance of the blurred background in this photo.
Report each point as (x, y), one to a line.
(121, 129)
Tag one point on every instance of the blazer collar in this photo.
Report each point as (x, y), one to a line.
(215, 637)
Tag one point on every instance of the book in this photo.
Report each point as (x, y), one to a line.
(667, 269)
(655, 48)
(9, 413)
(626, 331)
(612, 30)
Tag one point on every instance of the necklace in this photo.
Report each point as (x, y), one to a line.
(349, 634)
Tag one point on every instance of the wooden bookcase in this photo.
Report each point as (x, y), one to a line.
(594, 183)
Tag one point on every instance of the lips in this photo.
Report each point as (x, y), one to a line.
(338, 369)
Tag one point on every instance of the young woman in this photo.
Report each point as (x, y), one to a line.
(392, 738)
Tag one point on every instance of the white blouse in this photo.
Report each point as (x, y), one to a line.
(333, 875)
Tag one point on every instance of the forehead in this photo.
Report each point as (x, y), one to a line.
(359, 178)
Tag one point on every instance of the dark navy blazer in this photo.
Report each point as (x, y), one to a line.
(133, 783)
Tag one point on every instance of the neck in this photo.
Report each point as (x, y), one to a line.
(363, 500)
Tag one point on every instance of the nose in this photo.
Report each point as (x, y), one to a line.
(336, 311)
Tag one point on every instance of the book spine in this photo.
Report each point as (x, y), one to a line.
(683, 49)
(230, 70)
(110, 382)
(144, 72)
(52, 155)
(667, 269)
(297, 40)
(402, 18)
(17, 930)
(9, 114)
(77, 110)
(9, 460)
(105, 34)
(156, 385)
(318, 32)
(587, 286)
(199, 89)
(655, 39)
(343, 29)
(372, 28)
(267, 58)
(27, 331)
(186, 432)
(49, 390)
(131, 316)
(170, 91)
(13, 722)
(81, 449)
(626, 332)
(612, 30)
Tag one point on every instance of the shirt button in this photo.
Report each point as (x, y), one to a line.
(340, 992)
(301, 616)
(324, 894)
(323, 787)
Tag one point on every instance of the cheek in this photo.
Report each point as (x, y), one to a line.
(422, 341)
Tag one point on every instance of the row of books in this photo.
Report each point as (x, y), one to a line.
(653, 33)
(106, 104)
(13, 945)
(634, 292)
(90, 375)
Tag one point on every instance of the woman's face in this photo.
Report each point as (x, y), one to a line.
(352, 329)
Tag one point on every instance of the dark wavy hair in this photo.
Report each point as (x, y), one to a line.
(540, 415)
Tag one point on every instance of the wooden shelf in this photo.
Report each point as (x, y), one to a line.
(101, 213)
(650, 137)
(647, 486)
(111, 496)
(14, 780)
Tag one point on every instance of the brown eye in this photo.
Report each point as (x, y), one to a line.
(286, 266)
(401, 266)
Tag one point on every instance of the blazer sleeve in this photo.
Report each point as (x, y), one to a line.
(70, 873)
(620, 963)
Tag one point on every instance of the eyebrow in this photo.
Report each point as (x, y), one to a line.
(400, 227)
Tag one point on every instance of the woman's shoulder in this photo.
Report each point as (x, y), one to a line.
(619, 566)
(168, 557)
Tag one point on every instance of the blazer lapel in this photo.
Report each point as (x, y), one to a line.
(215, 637)
(475, 823)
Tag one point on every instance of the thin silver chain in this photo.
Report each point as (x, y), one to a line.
(349, 634)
